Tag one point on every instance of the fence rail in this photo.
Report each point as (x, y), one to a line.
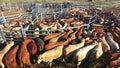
(39, 13)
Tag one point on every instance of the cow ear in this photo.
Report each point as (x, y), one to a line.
(7, 43)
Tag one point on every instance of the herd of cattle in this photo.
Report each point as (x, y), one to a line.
(95, 47)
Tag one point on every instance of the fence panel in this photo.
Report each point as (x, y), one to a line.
(38, 13)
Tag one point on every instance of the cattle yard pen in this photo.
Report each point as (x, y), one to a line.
(62, 34)
(38, 12)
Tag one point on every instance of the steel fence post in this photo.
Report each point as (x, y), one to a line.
(22, 31)
(3, 17)
(2, 35)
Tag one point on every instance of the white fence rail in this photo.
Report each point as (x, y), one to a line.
(6, 19)
(22, 33)
(39, 15)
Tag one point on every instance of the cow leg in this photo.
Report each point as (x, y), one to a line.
(21, 64)
(2, 65)
(50, 64)
(78, 64)
(14, 64)
(28, 62)
(64, 60)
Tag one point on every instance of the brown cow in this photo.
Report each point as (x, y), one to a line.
(40, 43)
(115, 35)
(66, 42)
(67, 34)
(32, 46)
(4, 51)
(24, 56)
(115, 60)
(117, 30)
(51, 36)
(80, 32)
(10, 58)
(55, 39)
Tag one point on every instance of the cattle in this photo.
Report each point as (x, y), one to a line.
(55, 39)
(97, 52)
(105, 45)
(70, 48)
(50, 55)
(10, 58)
(66, 42)
(32, 47)
(40, 43)
(65, 37)
(51, 36)
(115, 60)
(115, 34)
(83, 52)
(24, 55)
(79, 34)
(4, 51)
(67, 34)
(113, 45)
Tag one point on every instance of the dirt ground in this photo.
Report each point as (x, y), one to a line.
(12, 12)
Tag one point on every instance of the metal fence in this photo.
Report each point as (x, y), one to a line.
(38, 13)
(6, 19)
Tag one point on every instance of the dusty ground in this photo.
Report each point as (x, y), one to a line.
(12, 12)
